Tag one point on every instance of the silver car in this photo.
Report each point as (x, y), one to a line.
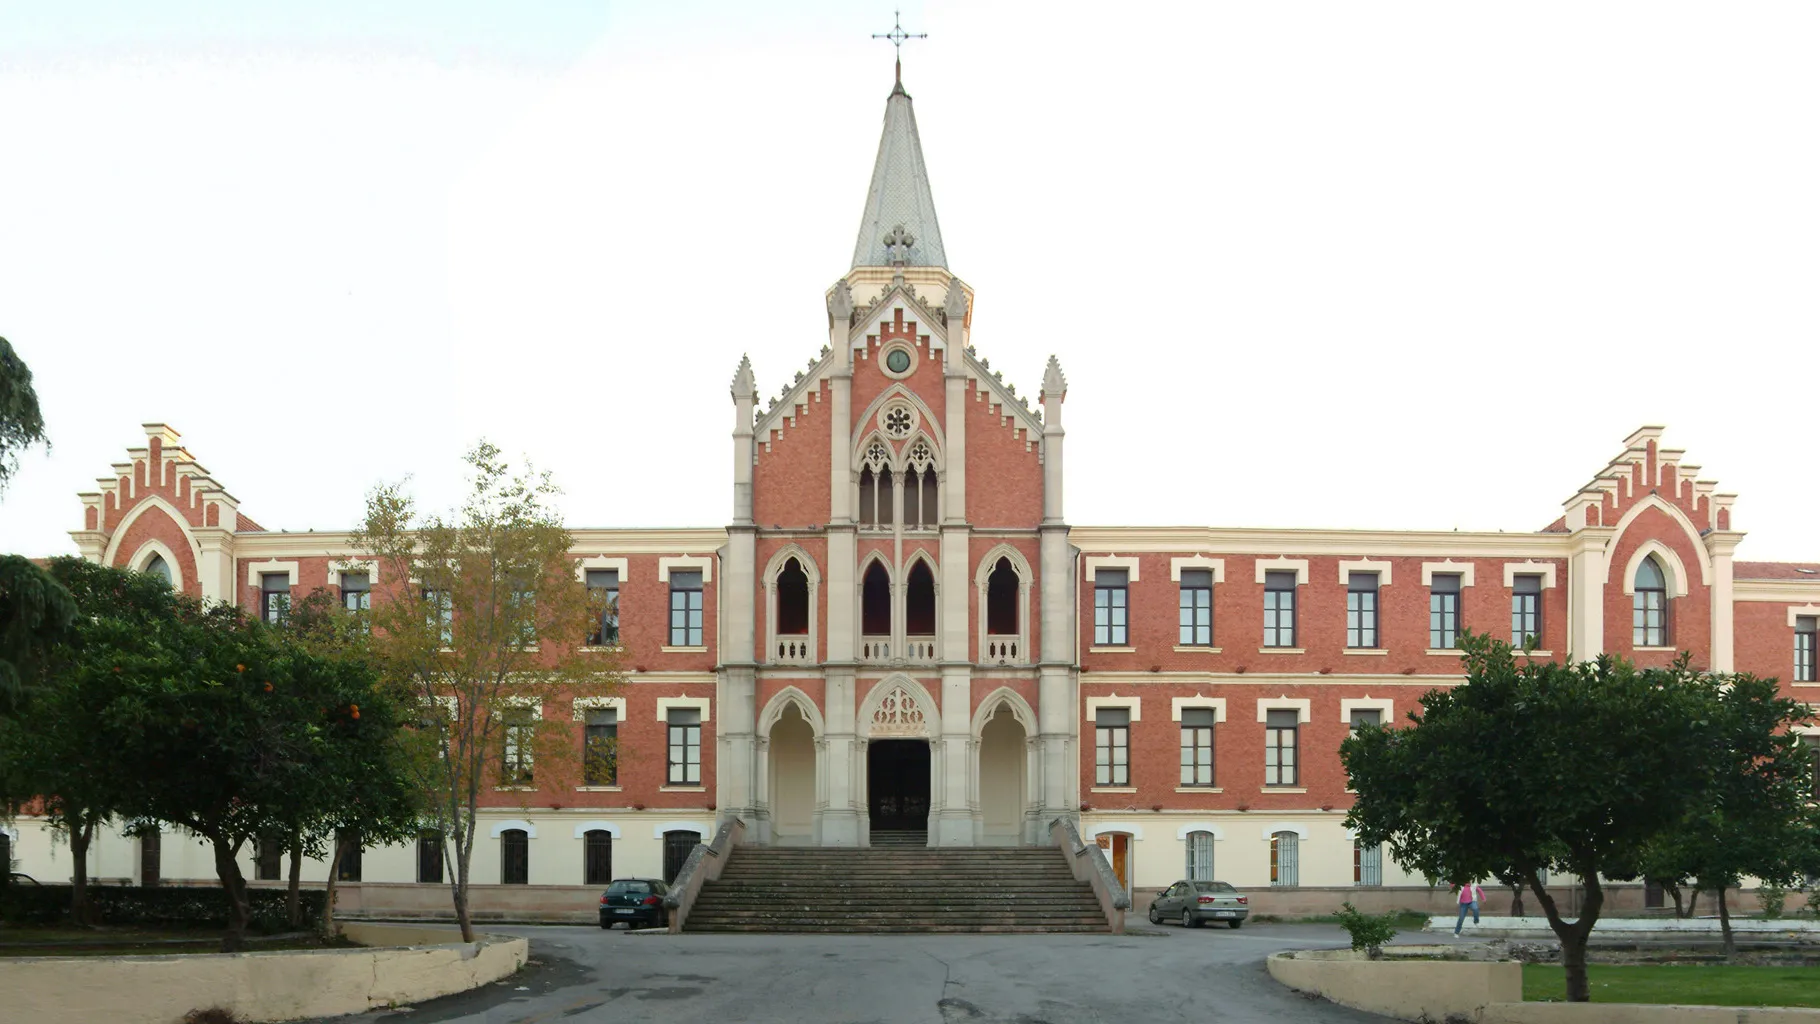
(1196, 903)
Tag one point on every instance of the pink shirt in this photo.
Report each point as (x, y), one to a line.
(1472, 894)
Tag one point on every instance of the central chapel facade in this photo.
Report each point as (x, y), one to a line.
(901, 632)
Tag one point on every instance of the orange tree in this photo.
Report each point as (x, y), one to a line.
(482, 621)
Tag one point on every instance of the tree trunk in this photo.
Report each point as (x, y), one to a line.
(1725, 924)
(293, 902)
(1516, 900)
(463, 855)
(329, 929)
(1674, 892)
(80, 836)
(227, 868)
(1573, 936)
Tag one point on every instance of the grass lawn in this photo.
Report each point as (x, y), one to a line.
(1694, 984)
(1407, 920)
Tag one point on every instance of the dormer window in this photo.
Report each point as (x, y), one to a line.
(1649, 608)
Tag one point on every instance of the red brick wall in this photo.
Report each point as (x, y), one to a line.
(643, 758)
(1004, 481)
(1764, 642)
(156, 524)
(790, 480)
(1690, 617)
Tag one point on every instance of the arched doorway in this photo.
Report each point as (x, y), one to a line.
(1002, 787)
(897, 788)
(792, 772)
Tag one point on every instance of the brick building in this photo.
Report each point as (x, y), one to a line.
(900, 631)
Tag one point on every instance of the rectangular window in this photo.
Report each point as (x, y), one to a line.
(600, 748)
(1279, 609)
(1197, 608)
(1285, 857)
(1367, 865)
(274, 597)
(1197, 746)
(1525, 610)
(1804, 648)
(1110, 594)
(1444, 611)
(440, 613)
(515, 857)
(685, 746)
(1280, 728)
(348, 870)
(356, 591)
(520, 731)
(603, 594)
(685, 609)
(1362, 609)
(1366, 716)
(523, 609)
(268, 853)
(1112, 747)
(429, 858)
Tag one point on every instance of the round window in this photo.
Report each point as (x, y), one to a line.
(897, 360)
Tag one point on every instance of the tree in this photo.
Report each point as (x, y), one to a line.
(1750, 815)
(21, 421)
(33, 608)
(481, 620)
(1570, 768)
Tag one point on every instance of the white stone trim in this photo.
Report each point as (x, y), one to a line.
(706, 833)
(784, 698)
(582, 565)
(273, 567)
(154, 546)
(1218, 704)
(1806, 609)
(1274, 827)
(1385, 705)
(150, 501)
(1300, 565)
(1676, 572)
(701, 704)
(1094, 563)
(582, 705)
(1115, 828)
(341, 565)
(1218, 565)
(685, 562)
(1673, 512)
(499, 827)
(1200, 826)
(1365, 565)
(1132, 704)
(1005, 697)
(1546, 570)
(601, 826)
(1300, 705)
(1462, 569)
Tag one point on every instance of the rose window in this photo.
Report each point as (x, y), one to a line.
(897, 421)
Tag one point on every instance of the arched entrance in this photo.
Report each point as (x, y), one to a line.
(792, 771)
(1003, 757)
(897, 787)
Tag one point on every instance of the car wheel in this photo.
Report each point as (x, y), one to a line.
(1155, 918)
(1234, 924)
(1188, 919)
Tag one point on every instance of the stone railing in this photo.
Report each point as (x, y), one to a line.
(705, 864)
(1089, 864)
(875, 649)
(792, 650)
(918, 651)
(1001, 648)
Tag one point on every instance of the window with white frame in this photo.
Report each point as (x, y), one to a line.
(1367, 864)
(1280, 735)
(1197, 608)
(157, 566)
(1525, 610)
(1200, 857)
(1112, 747)
(1362, 610)
(685, 608)
(356, 592)
(1361, 717)
(1444, 611)
(1649, 605)
(1804, 647)
(523, 614)
(1197, 746)
(603, 599)
(1110, 596)
(520, 734)
(440, 613)
(274, 597)
(1285, 853)
(600, 747)
(1279, 608)
(684, 725)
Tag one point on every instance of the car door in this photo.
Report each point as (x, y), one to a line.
(1169, 902)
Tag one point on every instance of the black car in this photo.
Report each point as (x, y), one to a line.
(636, 901)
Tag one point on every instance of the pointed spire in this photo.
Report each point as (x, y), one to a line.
(899, 227)
(744, 384)
(1054, 384)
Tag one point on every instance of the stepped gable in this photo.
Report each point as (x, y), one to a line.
(1643, 469)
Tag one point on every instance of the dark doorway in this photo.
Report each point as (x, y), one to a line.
(897, 784)
(151, 856)
(677, 847)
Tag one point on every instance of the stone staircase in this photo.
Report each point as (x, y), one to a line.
(896, 889)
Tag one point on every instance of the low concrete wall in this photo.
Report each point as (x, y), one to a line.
(402, 964)
(1703, 928)
(1641, 1013)
(1402, 988)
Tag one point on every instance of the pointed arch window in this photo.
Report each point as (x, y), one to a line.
(1649, 605)
(793, 600)
(1001, 599)
(158, 567)
(919, 601)
(875, 602)
(919, 485)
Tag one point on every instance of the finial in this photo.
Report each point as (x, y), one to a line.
(744, 386)
(897, 35)
(1054, 384)
(840, 301)
(897, 245)
(955, 305)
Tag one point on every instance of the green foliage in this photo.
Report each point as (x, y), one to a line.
(1368, 931)
(159, 905)
(35, 612)
(21, 421)
(1773, 898)
(1813, 900)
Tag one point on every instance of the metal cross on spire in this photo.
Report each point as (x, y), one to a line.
(897, 35)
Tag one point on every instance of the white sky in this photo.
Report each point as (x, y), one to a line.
(1402, 265)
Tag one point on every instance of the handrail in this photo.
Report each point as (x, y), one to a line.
(705, 864)
(1089, 864)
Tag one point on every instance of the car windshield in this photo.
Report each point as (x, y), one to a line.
(629, 885)
(1213, 887)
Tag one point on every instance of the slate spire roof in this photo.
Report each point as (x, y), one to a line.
(899, 221)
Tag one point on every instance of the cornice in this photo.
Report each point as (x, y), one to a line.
(338, 544)
(1268, 679)
(1254, 541)
(1776, 590)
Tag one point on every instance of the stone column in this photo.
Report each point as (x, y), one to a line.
(1058, 677)
(956, 823)
(1586, 593)
(736, 765)
(841, 818)
(215, 569)
(1721, 545)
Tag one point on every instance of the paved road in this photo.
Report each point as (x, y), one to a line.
(587, 976)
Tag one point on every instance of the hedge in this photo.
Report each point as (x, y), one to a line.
(182, 906)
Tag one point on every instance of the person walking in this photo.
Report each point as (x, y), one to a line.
(1470, 898)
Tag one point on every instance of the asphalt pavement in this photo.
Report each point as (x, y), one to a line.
(585, 975)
